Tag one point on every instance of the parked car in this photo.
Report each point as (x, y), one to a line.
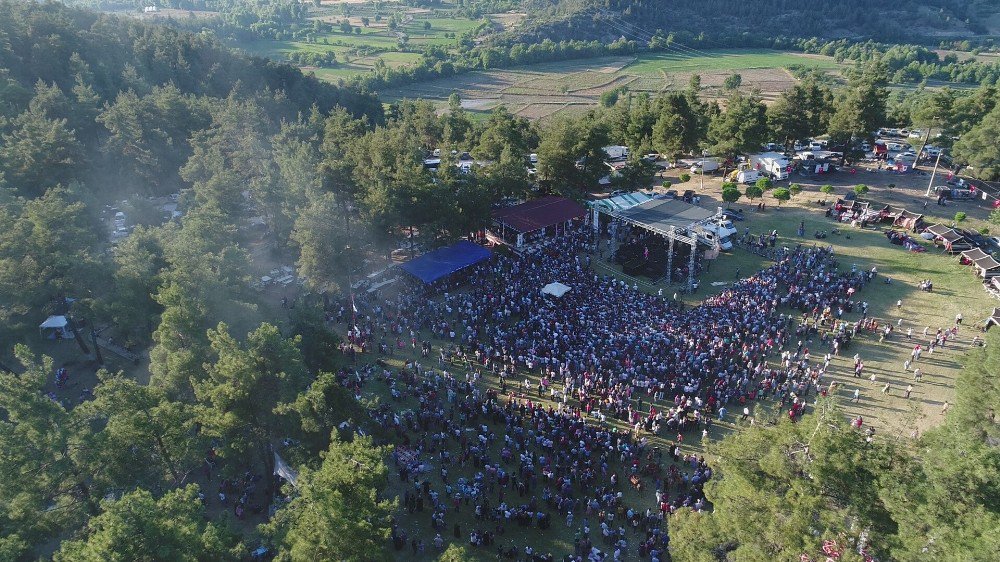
(671, 194)
(689, 195)
(733, 215)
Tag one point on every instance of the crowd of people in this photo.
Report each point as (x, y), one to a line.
(578, 385)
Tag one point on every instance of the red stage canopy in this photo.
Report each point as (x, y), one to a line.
(539, 213)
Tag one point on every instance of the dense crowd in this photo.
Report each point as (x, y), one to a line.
(604, 351)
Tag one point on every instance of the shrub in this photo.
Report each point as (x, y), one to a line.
(764, 184)
(795, 189)
(960, 216)
(685, 177)
(860, 189)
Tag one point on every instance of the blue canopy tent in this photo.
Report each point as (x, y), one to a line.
(444, 261)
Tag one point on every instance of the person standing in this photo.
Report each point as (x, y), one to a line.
(909, 389)
(857, 395)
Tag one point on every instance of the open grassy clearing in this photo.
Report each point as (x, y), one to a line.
(576, 85)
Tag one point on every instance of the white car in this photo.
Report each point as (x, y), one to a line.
(916, 134)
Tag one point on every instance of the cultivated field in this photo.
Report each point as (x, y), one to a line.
(356, 51)
(542, 90)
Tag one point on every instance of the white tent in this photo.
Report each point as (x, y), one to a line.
(555, 289)
(56, 327)
(282, 469)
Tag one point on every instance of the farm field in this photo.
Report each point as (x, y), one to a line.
(543, 90)
(370, 40)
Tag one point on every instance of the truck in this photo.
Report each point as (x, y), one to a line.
(710, 233)
(772, 164)
(705, 165)
(717, 228)
(956, 193)
(745, 176)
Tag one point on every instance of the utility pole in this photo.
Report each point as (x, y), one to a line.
(930, 184)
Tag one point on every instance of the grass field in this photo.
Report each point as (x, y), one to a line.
(725, 60)
(542, 90)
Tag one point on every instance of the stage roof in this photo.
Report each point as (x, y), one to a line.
(444, 261)
(539, 213)
(622, 202)
(661, 214)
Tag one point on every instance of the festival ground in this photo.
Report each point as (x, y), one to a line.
(956, 290)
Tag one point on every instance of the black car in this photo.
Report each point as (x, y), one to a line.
(733, 215)
(689, 195)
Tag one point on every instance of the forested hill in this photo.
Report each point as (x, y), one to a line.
(725, 20)
(61, 45)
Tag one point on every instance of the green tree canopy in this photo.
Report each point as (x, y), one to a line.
(335, 512)
(731, 195)
(781, 490)
(679, 127)
(862, 108)
(141, 527)
(979, 147)
(565, 142)
(782, 194)
(741, 128)
(47, 250)
(801, 112)
(37, 152)
(244, 386)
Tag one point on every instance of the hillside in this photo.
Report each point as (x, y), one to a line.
(730, 23)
